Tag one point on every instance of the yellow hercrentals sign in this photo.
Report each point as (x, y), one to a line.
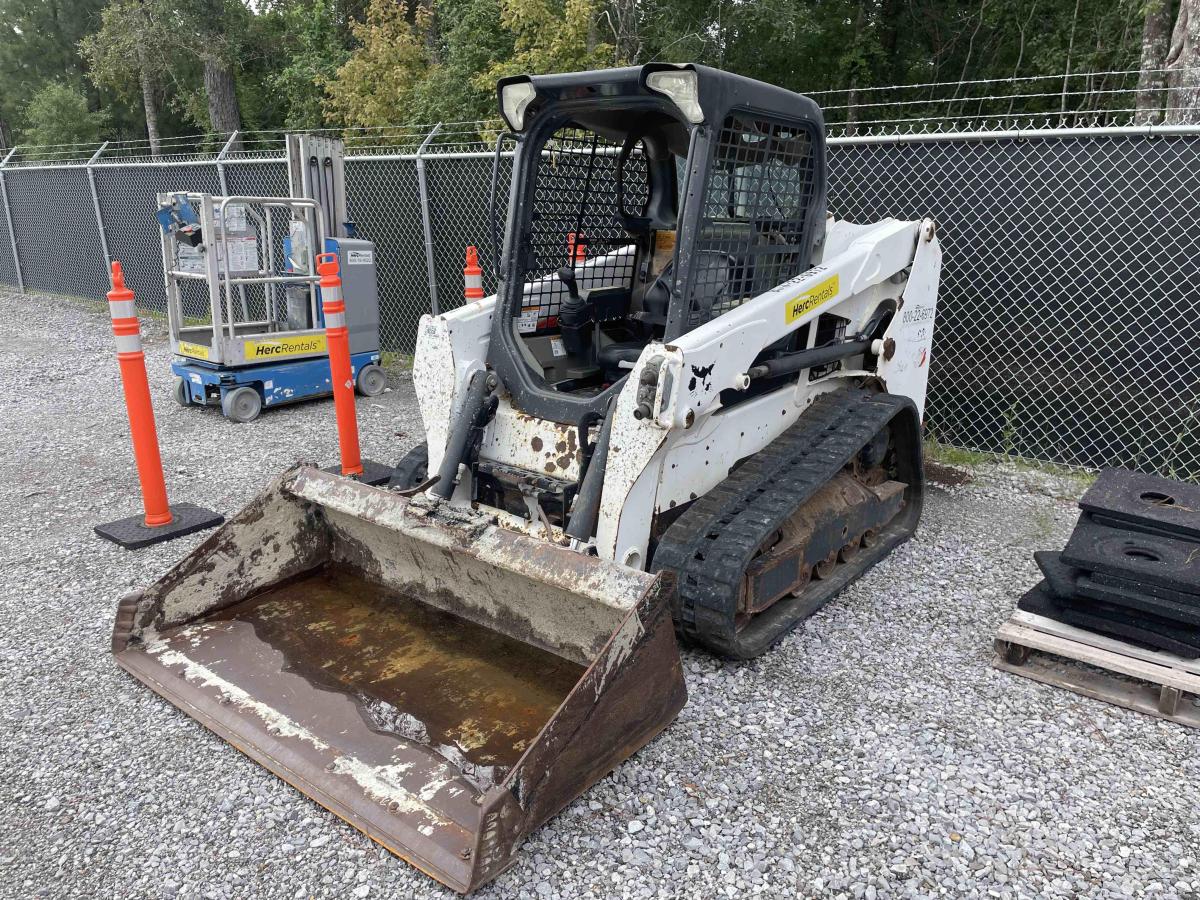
(804, 303)
(277, 348)
(196, 351)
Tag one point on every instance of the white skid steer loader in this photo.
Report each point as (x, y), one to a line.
(693, 407)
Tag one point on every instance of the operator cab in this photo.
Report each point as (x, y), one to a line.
(600, 244)
(592, 264)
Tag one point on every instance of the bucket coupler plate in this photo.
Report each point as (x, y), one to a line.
(133, 533)
(442, 684)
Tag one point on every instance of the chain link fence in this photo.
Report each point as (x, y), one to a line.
(1067, 327)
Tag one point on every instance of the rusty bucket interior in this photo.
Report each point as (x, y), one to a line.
(442, 684)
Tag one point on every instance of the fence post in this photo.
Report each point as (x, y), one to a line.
(221, 163)
(96, 205)
(12, 235)
(426, 223)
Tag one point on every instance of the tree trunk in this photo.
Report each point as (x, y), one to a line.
(150, 104)
(224, 116)
(430, 29)
(1183, 64)
(1152, 80)
(851, 126)
(1062, 109)
(891, 22)
(622, 16)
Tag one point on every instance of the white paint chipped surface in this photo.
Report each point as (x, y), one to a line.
(449, 348)
(382, 783)
(623, 642)
(277, 723)
(255, 548)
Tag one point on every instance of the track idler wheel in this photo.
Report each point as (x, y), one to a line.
(824, 569)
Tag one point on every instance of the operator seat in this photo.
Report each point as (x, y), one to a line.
(655, 300)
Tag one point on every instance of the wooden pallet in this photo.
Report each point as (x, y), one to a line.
(1162, 685)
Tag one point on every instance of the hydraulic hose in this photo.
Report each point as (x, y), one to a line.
(806, 359)
(587, 502)
(460, 434)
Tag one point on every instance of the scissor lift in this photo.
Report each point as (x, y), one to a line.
(243, 300)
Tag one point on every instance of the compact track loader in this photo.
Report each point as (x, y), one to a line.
(693, 407)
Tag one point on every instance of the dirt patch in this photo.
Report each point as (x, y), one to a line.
(947, 476)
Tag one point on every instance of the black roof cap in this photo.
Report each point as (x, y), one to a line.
(719, 91)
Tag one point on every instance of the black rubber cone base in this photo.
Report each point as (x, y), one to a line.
(373, 474)
(132, 533)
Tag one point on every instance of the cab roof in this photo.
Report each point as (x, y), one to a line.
(719, 92)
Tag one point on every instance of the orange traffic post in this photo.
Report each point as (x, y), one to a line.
(159, 521)
(473, 276)
(576, 248)
(337, 339)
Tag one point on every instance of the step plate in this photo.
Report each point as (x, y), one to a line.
(1146, 502)
(1114, 621)
(1152, 558)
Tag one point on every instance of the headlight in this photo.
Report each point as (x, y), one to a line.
(514, 100)
(682, 87)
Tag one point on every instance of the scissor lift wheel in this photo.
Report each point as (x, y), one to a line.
(242, 404)
(179, 390)
(371, 381)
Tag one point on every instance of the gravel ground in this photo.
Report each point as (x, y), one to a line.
(874, 753)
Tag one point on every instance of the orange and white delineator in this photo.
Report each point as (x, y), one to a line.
(132, 360)
(576, 248)
(473, 276)
(159, 521)
(337, 339)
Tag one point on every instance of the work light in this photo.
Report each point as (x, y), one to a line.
(682, 87)
(514, 100)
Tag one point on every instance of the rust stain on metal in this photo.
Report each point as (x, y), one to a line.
(442, 684)
(462, 685)
(840, 518)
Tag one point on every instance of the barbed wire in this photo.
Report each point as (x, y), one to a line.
(1066, 107)
(1013, 79)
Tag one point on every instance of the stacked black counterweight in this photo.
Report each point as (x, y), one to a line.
(1131, 569)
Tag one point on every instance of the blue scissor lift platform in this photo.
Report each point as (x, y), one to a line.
(243, 296)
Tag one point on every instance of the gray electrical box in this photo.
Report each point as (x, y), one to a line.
(360, 289)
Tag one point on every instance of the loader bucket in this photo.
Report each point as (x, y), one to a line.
(442, 684)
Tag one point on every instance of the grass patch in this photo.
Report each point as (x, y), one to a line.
(396, 362)
(957, 456)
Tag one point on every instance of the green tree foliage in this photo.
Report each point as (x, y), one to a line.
(38, 46)
(551, 36)
(300, 63)
(58, 114)
(468, 41)
(374, 86)
(308, 41)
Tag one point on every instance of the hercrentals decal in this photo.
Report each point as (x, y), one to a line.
(196, 351)
(289, 346)
(803, 304)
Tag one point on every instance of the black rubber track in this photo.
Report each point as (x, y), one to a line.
(710, 545)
